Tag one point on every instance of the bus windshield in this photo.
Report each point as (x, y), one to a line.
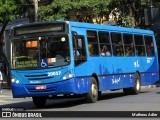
(40, 52)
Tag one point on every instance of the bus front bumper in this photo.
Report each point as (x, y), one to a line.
(64, 87)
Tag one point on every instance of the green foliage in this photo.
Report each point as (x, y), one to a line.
(23, 7)
(56, 10)
(7, 9)
(128, 21)
(60, 9)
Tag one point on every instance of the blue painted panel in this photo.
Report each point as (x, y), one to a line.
(41, 76)
(64, 87)
(118, 67)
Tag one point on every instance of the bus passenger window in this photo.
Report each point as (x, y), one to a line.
(117, 44)
(105, 44)
(79, 49)
(90, 47)
(105, 51)
(92, 43)
(127, 51)
(128, 44)
(149, 45)
(141, 51)
(139, 45)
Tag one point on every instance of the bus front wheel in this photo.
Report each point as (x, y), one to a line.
(39, 101)
(92, 96)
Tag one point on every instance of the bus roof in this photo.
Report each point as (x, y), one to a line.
(110, 28)
(95, 26)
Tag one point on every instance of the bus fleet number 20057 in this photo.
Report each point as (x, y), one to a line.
(55, 73)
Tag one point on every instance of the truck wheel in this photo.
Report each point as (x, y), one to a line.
(39, 101)
(92, 96)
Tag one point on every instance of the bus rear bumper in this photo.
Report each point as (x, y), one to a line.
(64, 87)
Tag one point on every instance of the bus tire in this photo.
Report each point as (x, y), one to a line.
(39, 101)
(92, 96)
(137, 85)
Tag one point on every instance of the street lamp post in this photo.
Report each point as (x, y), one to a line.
(36, 9)
(151, 4)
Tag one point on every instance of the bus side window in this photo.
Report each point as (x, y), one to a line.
(139, 45)
(128, 44)
(79, 49)
(92, 43)
(149, 45)
(90, 48)
(117, 44)
(105, 45)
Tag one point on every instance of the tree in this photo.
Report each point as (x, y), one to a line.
(56, 10)
(59, 9)
(131, 11)
(24, 8)
(7, 10)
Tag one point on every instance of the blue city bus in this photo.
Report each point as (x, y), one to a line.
(73, 58)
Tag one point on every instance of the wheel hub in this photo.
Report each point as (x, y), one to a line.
(138, 85)
(94, 90)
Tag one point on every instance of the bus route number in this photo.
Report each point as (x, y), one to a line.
(56, 73)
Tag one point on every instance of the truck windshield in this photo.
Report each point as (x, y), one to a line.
(40, 52)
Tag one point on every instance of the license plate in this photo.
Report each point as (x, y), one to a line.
(40, 87)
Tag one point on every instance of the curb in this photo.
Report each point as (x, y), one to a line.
(157, 84)
(149, 86)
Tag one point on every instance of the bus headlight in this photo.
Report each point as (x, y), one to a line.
(67, 76)
(15, 80)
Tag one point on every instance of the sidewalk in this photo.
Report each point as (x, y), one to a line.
(6, 97)
(6, 92)
(5, 84)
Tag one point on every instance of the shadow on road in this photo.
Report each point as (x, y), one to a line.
(57, 103)
(63, 103)
(25, 105)
(107, 96)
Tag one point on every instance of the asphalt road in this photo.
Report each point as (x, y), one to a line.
(148, 100)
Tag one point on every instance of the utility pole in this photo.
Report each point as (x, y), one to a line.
(36, 9)
(151, 5)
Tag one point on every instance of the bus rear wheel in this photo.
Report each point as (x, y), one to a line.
(39, 101)
(92, 96)
(137, 86)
